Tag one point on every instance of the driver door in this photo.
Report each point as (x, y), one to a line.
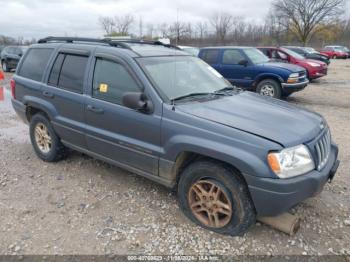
(127, 137)
(239, 75)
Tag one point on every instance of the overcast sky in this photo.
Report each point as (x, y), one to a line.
(40, 18)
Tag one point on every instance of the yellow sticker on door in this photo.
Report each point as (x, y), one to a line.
(103, 88)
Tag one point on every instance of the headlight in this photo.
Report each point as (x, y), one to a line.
(291, 162)
(313, 64)
(293, 78)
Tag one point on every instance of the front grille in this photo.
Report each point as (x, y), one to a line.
(323, 149)
(302, 76)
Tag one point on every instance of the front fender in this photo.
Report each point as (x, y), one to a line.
(263, 76)
(252, 163)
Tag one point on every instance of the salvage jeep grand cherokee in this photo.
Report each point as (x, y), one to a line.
(172, 118)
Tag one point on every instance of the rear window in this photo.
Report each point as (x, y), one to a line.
(35, 62)
(210, 56)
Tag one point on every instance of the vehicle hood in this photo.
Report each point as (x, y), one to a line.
(266, 117)
(287, 66)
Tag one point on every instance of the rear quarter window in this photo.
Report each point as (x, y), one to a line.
(35, 62)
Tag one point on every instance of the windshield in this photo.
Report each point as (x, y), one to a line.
(310, 50)
(256, 56)
(176, 76)
(292, 53)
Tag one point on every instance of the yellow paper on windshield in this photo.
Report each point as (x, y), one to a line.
(103, 88)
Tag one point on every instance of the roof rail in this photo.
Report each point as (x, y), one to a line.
(122, 43)
(140, 41)
(82, 40)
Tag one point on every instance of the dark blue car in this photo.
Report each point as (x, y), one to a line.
(249, 68)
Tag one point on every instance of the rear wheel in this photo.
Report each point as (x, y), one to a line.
(216, 198)
(46, 143)
(269, 87)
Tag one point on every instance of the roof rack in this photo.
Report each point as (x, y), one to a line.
(82, 40)
(141, 41)
(121, 43)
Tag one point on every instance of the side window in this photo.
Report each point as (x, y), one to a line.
(265, 51)
(111, 81)
(56, 69)
(210, 56)
(232, 57)
(35, 63)
(72, 73)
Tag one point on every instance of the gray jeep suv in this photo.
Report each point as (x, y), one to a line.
(168, 116)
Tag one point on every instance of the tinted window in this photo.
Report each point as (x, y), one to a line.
(72, 73)
(112, 81)
(210, 56)
(35, 63)
(56, 69)
(232, 57)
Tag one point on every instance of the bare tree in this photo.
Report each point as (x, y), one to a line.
(304, 16)
(124, 23)
(107, 24)
(178, 30)
(222, 23)
(202, 29)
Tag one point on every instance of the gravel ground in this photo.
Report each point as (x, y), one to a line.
(84, 206)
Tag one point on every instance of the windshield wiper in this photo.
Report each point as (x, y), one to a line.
(225, 90)
(191, 95)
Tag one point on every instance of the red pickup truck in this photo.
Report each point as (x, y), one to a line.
(315, 69)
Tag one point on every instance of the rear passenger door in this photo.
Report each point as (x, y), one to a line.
(64, 90)
(125, 136)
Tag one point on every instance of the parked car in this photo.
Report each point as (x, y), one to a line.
(314, 69)
(346, 50)
(250, 69)
(190, 49)
(309, 54)
(170, 117)
(10, 57)
(334, 52)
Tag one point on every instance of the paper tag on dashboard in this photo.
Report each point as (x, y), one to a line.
(103, 88)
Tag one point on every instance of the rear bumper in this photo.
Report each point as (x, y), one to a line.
(275, 196)
(20, 109)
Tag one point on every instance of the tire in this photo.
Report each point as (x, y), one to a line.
(269, 87)
(5, 67)
(334, 57)
(52, 151)
(232, 188)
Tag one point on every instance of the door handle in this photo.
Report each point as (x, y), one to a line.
(48, 94)
(95, 109)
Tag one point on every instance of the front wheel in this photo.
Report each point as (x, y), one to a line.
(269, 87)
(216, 198)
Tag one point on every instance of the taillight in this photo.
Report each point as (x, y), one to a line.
(13, 88)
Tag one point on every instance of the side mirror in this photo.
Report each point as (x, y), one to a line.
(137, 101)
(243, 62)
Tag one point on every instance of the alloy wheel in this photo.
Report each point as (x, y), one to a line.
(42, 138)
(267, 90)
(210, 204)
